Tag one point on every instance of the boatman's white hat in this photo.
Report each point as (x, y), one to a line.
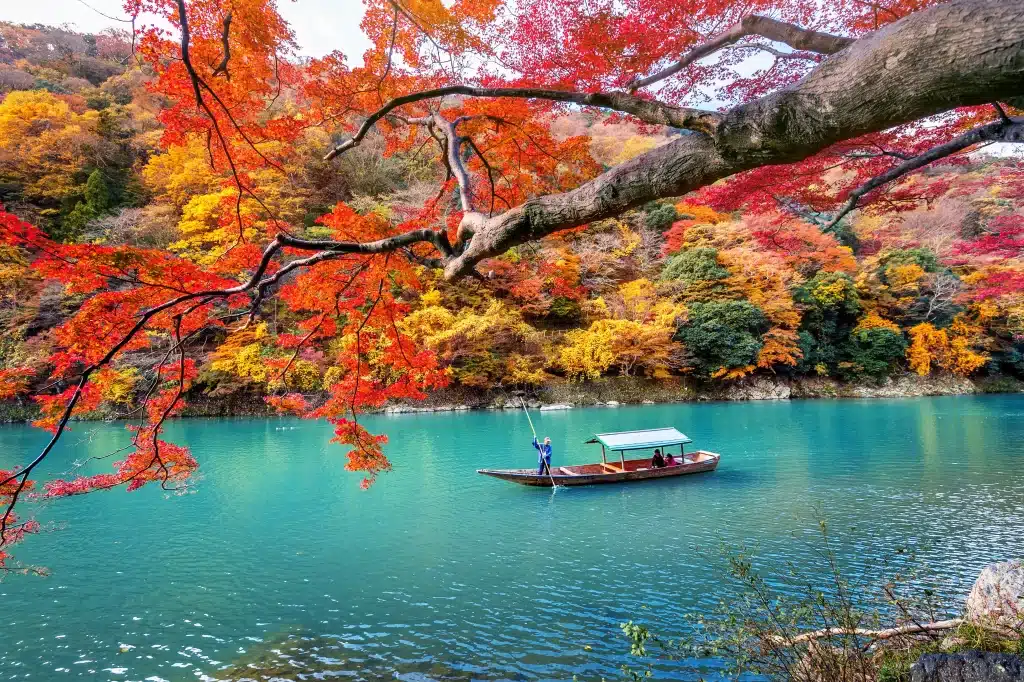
(547, 440)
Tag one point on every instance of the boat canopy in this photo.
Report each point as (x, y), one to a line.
(641, 440)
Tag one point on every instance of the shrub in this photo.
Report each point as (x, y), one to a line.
(659, 217)
(694, 265)
(874, 352)
(722, 336)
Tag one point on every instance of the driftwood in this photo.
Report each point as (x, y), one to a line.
(887, 633)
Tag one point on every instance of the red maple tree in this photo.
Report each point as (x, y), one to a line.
(802, 108)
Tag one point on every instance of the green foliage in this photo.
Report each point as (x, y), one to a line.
(73, 225)
(722, 335)
(98, 100)
(921, 257)
(693, 265)
(844, 234)
(659, 217)
(829, 291)
(97, 193)
(875, 353)
(831, 307)
(895, 665)
(565, 309)
(1011, 361)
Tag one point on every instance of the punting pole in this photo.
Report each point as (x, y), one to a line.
(546, 466)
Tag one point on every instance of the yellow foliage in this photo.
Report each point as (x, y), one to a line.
(241, 354)
(874, 321)
(119, 386)
(626, 344)
(948, 349)
(585, 353)
(633, 147)
(471, 341)
(630, 240)
(209, 203)
(962, 360)
(332, 375)
(640, 303)
(424, 325)
(523, 371)
(830, 293)
(985, 311)
(303, 375)
(430, 298)
(43, 143)
(926, 343)
(727, 374)
(595, 308)
(904, 276)
(701, 214)
(180, 173)
(16, 276)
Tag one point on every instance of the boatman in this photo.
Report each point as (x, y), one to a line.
(543, 456)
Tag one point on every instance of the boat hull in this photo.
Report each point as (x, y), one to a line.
(594, 474)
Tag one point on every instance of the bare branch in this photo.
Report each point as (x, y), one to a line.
(754, 25)
(455, 161)
(649, 111)
(222, 68)
(1010, 130)
(796, 54)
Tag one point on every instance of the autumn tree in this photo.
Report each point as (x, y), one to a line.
(878, 91)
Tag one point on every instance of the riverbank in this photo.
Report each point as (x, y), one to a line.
(609, 391)
(614, 391)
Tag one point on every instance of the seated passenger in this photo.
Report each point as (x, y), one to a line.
(657, 462)
(670, 461)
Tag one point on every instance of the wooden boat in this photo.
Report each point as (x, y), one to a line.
(625, 469)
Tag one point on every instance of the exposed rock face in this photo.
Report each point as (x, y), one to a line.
(760, 388)
(613, 391)
(903, 386)
(998, 594)
(972, 666)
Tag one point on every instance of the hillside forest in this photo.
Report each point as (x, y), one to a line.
(125, 182)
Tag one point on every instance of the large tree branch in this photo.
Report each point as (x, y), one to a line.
(963, 53)
(777, 31)
(649, 111)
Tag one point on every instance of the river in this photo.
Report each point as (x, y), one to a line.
(279, 560)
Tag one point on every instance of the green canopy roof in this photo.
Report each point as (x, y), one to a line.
(641, 440)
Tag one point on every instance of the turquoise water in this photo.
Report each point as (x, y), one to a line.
(439, 573)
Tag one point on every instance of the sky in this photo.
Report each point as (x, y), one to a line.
(320, 26)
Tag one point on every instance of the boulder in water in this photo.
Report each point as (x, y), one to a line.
(998, 595)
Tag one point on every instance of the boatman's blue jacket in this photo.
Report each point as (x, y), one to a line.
(543, 456)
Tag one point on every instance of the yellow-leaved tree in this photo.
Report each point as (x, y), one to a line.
(43, 144)
(949, 349)
(481, 349)
(637, 337)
